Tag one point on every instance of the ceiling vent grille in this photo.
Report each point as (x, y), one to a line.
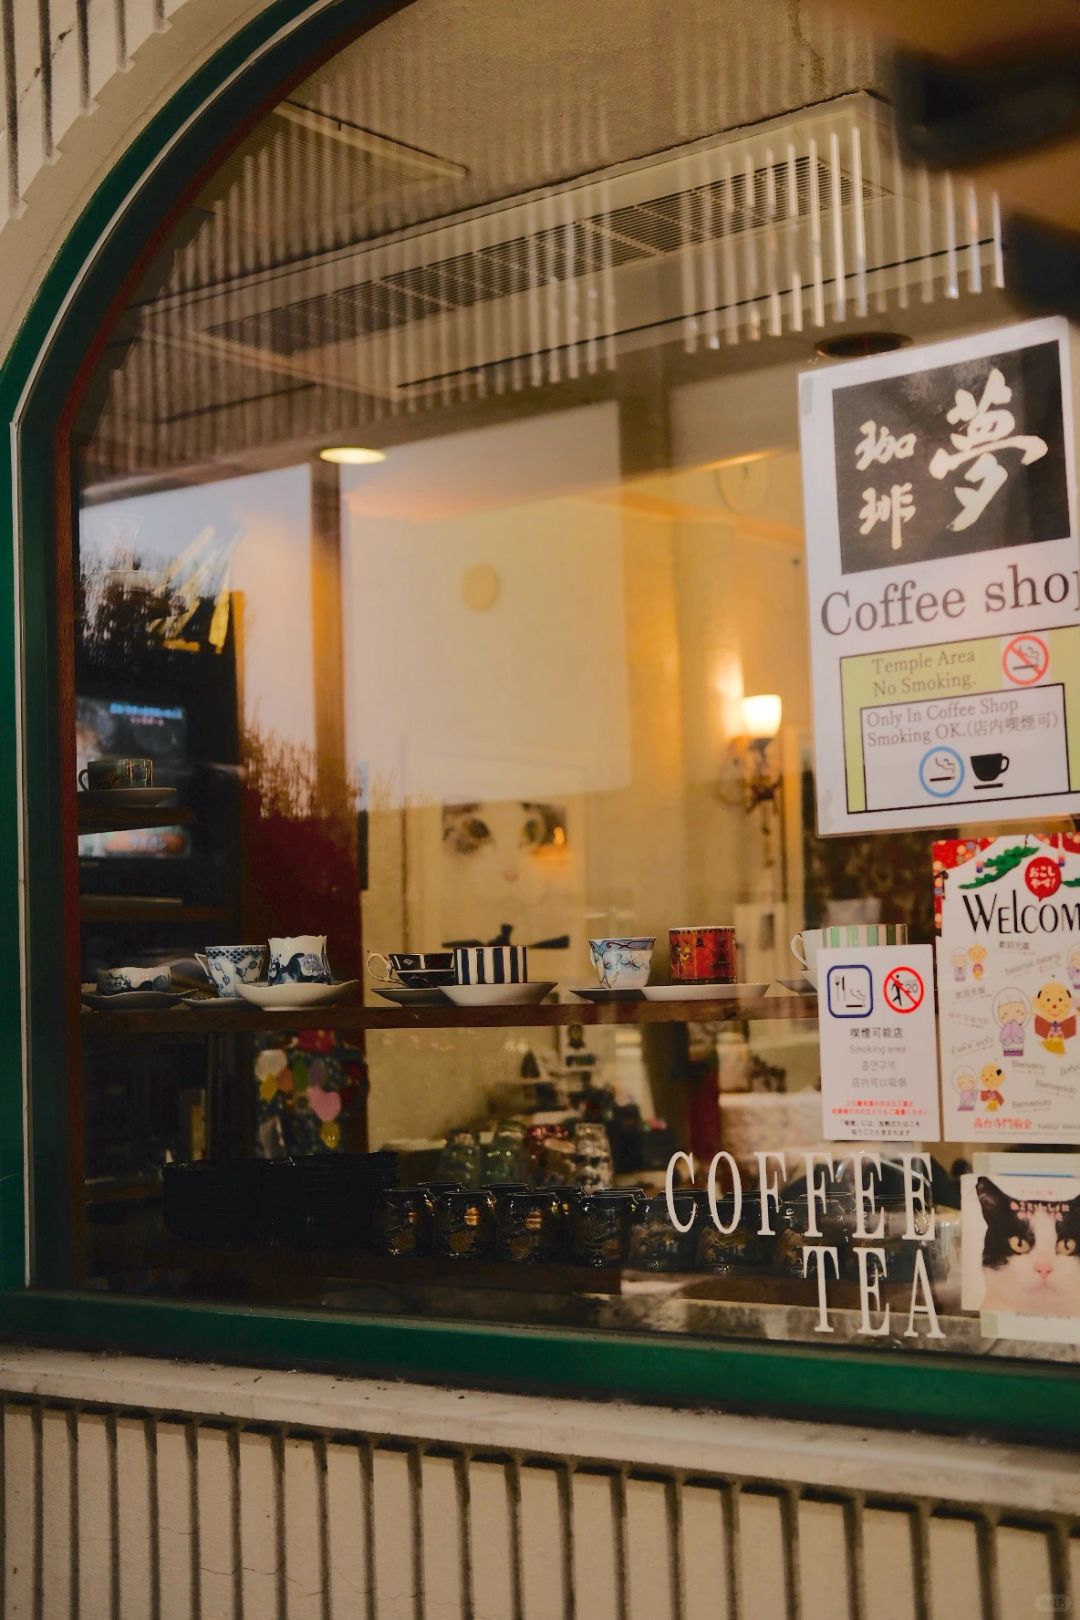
(749, 200)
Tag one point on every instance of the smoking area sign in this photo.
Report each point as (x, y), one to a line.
(944, 577)
(879, 1069)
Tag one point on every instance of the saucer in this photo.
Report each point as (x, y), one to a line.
(497, 995)
(410, 996)
(704, 992)
(133, 1000)
(596, 992)
(143, 798)
(801, 987)
(296, 997)
(204, 1002)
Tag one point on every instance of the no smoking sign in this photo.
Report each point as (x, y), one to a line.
(1025, 660)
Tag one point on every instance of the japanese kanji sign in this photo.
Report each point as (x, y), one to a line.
(878, 1044)
(944, 582)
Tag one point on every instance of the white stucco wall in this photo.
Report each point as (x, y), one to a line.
(53, 159)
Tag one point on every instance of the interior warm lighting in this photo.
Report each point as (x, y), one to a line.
(352, 455)
(761, 715)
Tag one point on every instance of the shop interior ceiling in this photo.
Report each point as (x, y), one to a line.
(469, 206)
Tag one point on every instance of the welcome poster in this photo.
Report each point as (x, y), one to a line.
(1008, 970)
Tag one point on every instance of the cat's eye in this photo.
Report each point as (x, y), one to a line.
(1066, 1245)
(1019, 1245)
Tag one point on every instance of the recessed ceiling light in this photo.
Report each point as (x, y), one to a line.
(352, 455)
(856, 345)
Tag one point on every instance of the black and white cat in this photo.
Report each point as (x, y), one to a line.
(1031, 1253)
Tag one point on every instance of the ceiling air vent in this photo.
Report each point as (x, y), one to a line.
(757, 231)
(663, 225)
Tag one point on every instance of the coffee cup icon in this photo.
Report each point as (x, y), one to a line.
(988, 767)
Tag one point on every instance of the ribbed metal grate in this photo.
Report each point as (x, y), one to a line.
(112, 1512)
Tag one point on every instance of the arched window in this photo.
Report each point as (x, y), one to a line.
(430, 641)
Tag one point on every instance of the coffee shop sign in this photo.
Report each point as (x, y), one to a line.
(821, 1259)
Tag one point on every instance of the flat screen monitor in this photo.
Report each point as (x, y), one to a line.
(110, 727)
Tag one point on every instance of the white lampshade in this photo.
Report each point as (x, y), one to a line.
(761, 715)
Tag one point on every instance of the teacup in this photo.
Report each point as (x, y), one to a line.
(805, 946)
(989, 766)
(115, 981)
(116, 773)
(299, 959)
(416, 970)
(491, 964)
(230, 965)
(703, 955)
(622, 963)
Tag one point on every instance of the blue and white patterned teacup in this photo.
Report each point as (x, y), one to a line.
(300, 959)
(116, 981)
(622, 964)
(230, 965)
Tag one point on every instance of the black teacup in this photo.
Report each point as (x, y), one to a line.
(987, 766)
(416, 970)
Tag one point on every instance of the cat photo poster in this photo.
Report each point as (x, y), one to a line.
(1020, 1236)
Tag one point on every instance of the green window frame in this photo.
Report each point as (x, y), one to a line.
(118, 228)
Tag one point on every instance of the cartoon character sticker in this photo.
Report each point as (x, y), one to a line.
(1055, 1017)
(991, 1080)
(978, 955)
(959, 966)
(1074, 967)
(967, 1089)
(1012, 1011)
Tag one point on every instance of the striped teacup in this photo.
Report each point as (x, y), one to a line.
(491, 964)
(805, 946)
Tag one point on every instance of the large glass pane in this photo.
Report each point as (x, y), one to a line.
(479, 684)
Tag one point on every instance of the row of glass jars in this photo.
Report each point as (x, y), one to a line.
(603, 1227)
(535, 1155)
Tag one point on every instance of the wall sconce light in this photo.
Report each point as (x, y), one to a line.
(752, 772)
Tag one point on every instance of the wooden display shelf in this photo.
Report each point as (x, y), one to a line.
(123, 1190)
(149, 908)
(287, 1272)
(99, 1028)
(306, 1269)
(106, 821)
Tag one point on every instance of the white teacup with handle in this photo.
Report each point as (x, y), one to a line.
(855, 936)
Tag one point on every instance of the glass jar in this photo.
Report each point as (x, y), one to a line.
(600, 1227)
(459, 1161)
(464, 1226)
(402, 1222)
(527, 1227)
(655, 1243)
(591, 1158)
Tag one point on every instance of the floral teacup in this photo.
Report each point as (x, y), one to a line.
(622, 963)
(229, 965)
(300, 959)
(119, 980)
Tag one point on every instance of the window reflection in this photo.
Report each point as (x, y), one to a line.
(478, 682)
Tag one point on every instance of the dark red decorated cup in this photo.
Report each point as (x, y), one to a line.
(703, 955)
